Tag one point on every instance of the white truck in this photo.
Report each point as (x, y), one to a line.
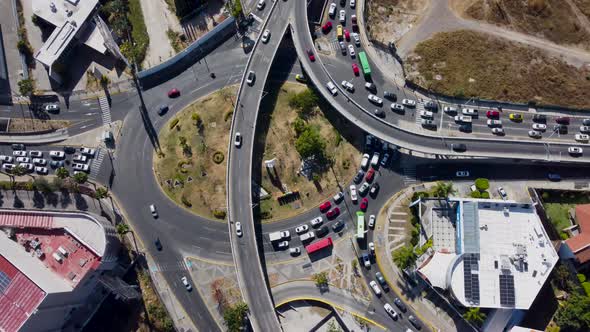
(277, 236)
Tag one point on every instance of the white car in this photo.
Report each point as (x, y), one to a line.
(301, 229)
(463, 118)
(342, 16)
(372, 221)
(582, 137)
(348, 86)
(80, 158)
(535, 134)
(250, 78)
(575, 150)
(36, 154)
(462, 174)
(584, 129)
(469, 111)
(498, 131)
(57, 154)
(375, 287)
(239, 229)
(153, 211)
(494, 123)
(260, 4)
(409, 102)
(332, 10)
(396, 107)
(29, 167)
(351, 50)
(8, 167)
(51, 108)
(372, 247)
(502, 193)
(238, 140)
(88, 152)
(450, 110)
(352, 3)
(295, 251)
(41, 170)
(389, 309)
(186, 283)
(356, 38)
(23, 159)
(19, 153)
(39, 161)
(365, 161)
(316, 221)
(81, 167)
(539, 126)
(332, 88)
(306, 237)
(426, 114)
(375, 159)
(374, 99)
(283, 245)
(338, 197)
(6, 159)
(265, 36)
(353, 195)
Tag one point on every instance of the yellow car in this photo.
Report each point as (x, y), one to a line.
(339, 31)
(301, 78)
(515, 117)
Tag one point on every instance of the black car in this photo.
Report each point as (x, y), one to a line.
(415, 322)
(459, 147)
(18, 146)
(374, 189)
(431, 105)
(541, 118)
(69, 149)
(561, 129)
(56, 163)
(586, 122)
(466, 128)
(400, 304)
(389, 95)
(337, 226)
(379, 112)
(163, 109)
(322, 231)
(158, 244)
(382, 281)
(359, 177)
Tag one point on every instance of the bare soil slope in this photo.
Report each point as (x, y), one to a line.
(389, 20)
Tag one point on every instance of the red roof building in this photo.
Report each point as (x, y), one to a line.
(580, 244)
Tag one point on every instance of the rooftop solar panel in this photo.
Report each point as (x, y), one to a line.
(507, 297)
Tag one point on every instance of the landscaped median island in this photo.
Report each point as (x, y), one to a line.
(192, 162)
(298, 130)
(471, 64)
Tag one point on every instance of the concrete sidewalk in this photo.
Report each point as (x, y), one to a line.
(53, 137)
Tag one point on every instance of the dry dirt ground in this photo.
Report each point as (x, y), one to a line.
(481, 65)
(200, 180)
(391, 19)
(19, 125)
(280, 144)
(554, 20)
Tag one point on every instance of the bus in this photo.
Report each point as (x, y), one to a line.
(364, 63)
(317, 246)
(360, 225)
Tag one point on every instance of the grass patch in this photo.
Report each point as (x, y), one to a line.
(480, 65)
(175, 40)
(558, 214)
(139, 31)
(188, 155)
(280, 144)
(552, 19)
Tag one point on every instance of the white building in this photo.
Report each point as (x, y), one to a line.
(50, 265)
(499, 256)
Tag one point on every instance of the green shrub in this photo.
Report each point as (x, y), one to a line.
(545, 195)
(228, 115)
(475, 194)
(586, 286)
(139, 31)
(482, 184)
(563, 236)
(581, 277)
(218, 157)
(265, 214)
(420, 194)
(485, 195)
(219, 214)
(185, 201)
(299, 126)
(173, 123)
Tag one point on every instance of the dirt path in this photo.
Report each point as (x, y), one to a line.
(582, 19)
(158, 20)
(440, 18)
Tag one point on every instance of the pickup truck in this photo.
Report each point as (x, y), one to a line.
(276, 236)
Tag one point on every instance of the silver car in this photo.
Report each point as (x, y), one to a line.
(375, 100)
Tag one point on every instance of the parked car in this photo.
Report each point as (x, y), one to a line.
(158, 244)
(516, 117)
(323, 231)
(397, 107)
(389, 95)
(251, 78)
(364, 204)
(364, 189)
(162, 109)
(89, 152)
(6, 159)
(401, 305)
(337, 226)
(355, 69)
(57, 154)
(353, 195)
(295, 251)
(469, 111)
(459, 147)
(379, 112)
(582, 137)
(502, 193)
(414, 322)
(463, 119)
(238, 140)
(348, 86)
(539, 126)
(283, 245)
(36, 154)
(342, 16)
(265, 36)
(357, 40)
(81, 167)
(498, 131)
(431, 105)
(359, 176)
(18, 146)
(315, 222)
(494, 123)
(493, 114)
(325, 206)
(535, 134)
(426, 114)
(301, 229)
(375, 100)
(375, 288)
(260, 5)
(8, 167)
(409, 102)
(370, 175)
(384, 160)
(342, 47)
(371, 86)
(41, 170)
(332, 10)
(332, 88)
(366, 260)
(541, 118)
(57, 163)
(333, 213)
(450, 110)
(564, 120)
(338, 197)
(382, 281)
(374, 189)
(575, 150)
(389, 309)
(365, 161)
(307, 237)
(39, 161)
(327, 27)
(375, 159)
(371, 223)
(584, 129)
(22, 159)
(462, 174)
(54, 108)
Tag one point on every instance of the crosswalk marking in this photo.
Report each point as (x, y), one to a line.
(106, 109)
(408, 173)
(169, 266)
(96, 163)
(419, 107)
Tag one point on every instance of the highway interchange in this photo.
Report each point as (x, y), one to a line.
(182, 233)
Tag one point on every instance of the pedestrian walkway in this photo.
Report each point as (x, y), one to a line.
(105, 109)
(172, 266)
(408, 172)
(96, 163)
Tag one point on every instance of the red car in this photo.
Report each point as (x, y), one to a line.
(325, 206)
(347, 34)
(333, 213)
(355, 69)
(493, 114)
(173, 93)
(311, 56)
(564, 120)
(370, 175)
(364, 204)
(327, 27)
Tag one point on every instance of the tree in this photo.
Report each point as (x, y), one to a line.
(43, 185)
(482, 184)
(475, 194)
(475, 316)
(122, 229)
(236, 9)
(19, 170)
(310, 143)
(26, 87)
(101, 192)
(404, 257)
(320, 279)
(62, 173)
(80, 177)
(299, 126)
(197, 118)
(444, 189)
(304, 101)
(562, 277)
(234, 316)
(574, 314)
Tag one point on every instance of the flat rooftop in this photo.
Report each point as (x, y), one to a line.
(505, 254)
